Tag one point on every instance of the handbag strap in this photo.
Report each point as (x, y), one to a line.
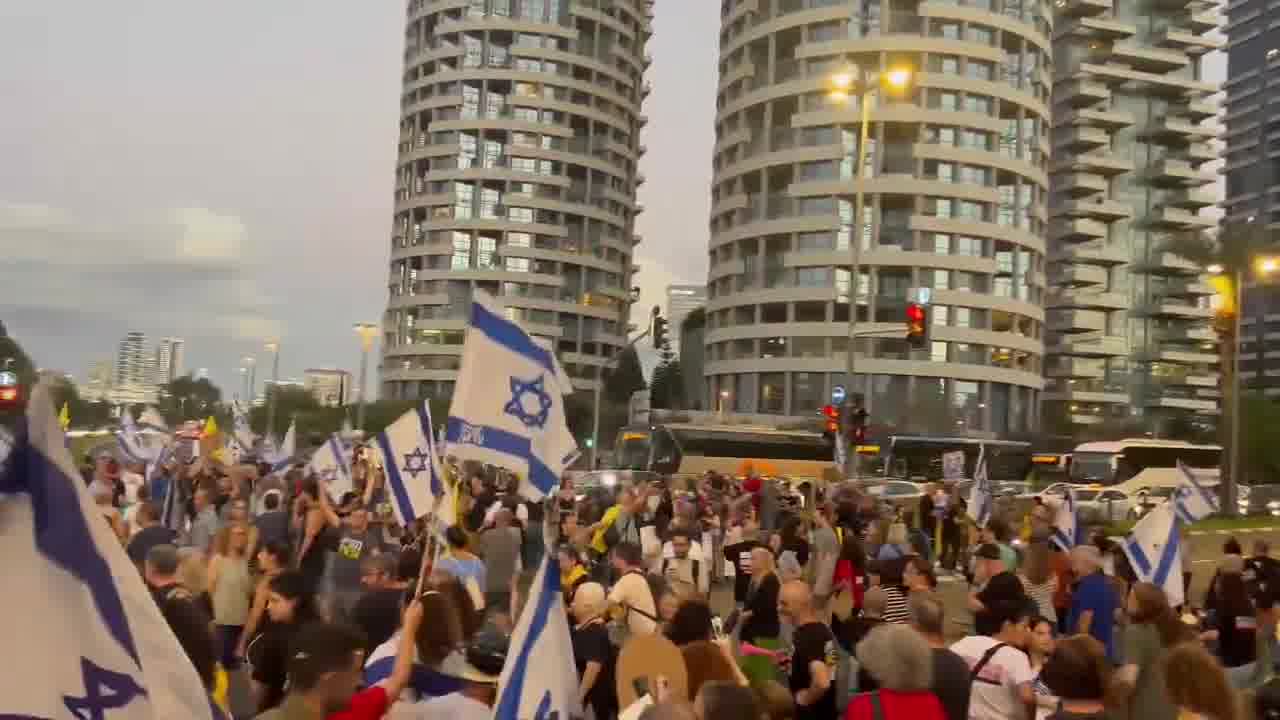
(877, 712)
(982, 662)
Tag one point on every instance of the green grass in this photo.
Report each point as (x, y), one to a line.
(1219, 523)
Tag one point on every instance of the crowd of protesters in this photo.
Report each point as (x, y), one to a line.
(808, 602)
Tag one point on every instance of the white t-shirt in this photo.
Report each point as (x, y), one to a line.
(632, 590)
(994, 694)
(454, 706)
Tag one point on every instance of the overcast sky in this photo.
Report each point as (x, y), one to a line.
(223, 171)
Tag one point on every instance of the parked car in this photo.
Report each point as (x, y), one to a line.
(1106, 505)
(900, 494)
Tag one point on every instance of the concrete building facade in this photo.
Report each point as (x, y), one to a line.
(517, 175)
(1127, 323)
(955, 185)
(330, 387)
(682, 300)
(170, 359)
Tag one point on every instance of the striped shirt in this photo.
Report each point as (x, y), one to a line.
(895, 608)
(1042, 594)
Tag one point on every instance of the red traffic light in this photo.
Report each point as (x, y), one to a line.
(915, 313)
(8, 395)
(832, 414)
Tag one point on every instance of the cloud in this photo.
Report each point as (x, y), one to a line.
(183, 271)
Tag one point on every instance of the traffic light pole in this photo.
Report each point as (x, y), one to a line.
(855, 250)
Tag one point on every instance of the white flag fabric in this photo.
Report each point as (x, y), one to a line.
(240, 426)
(1192, 501)
(508, 404)
(101, 648)
(539, 679)
(332, 461)
(151, 418)
(981, 496)
(1066, 523)
(414, 477)
(1154, 549)
(282, 456)
(132, 444)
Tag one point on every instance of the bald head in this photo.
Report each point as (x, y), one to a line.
(1085, 559)
(795, 602)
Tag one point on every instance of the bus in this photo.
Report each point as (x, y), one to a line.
(1137, 463)
(691, 449)
(917, 457)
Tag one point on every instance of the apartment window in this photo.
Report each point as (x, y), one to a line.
(813, 277)
(940, 314)
(490, 199)
(773, 393)
(946, 64)
(461, 251)
(978, 104)
(520, 215)
(949, 30)
(938, 351)
(979, 70)
(970, 246)
(485, 248)
(516, 264)
(816, 242)
(519, 239)
(941, 244)
(946, 100)
(981, 35)
(941, 207)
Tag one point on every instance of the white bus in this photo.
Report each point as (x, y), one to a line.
(1134, 464)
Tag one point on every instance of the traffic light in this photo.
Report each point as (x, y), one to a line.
(832, 414)
(857, 426)
(917, 325)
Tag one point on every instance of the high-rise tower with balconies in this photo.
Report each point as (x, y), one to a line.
(1128, 322)
(517, 174)
(954, 185)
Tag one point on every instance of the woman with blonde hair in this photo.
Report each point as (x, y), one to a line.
(758, 623)
(895, 545)
(230, 588)
(1197, 685)
(593, 653)
(1038, 580)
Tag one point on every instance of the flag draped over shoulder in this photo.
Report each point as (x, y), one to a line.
(100, 647)
(414, 477)
(1192, 501)
(508, 404)
(539, 679)
(1066, 523)
(1154, 549)
(981, 496)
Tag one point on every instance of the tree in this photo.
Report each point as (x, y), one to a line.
(188, 398)
(624, 380)
(84, 414)
(1259, 451)
(666, 392)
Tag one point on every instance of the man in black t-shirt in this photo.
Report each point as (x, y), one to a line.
(377, 612)
(813, 656)
(151, 534)
(739, 555)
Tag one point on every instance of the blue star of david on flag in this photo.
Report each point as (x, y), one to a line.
(517, 407)
(416, 462)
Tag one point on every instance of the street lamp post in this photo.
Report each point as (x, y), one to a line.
(273, 347)
(848, 81)
(252, 364)
(367, 332)
(1262, 267)
(244, 381)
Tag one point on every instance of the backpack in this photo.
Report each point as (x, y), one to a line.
(667, 582)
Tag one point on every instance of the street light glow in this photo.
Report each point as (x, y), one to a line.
(898, 79)
(1215, 269)
(843, 80)
(1268, 265)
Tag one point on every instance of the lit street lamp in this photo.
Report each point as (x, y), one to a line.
(367, 333)
(849, 81)
(1233, 306)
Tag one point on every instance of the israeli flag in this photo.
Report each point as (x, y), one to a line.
(1192, 501)
(133, 446)
(981, 495)
(151, 419)
(1154, 549)
(240, 426)
(508, 405)
(414, 477)
(173, 512)
(1066, 523)
(102, 648)
(332, 461)
(280, 458)
(539, 679)
(424, 682)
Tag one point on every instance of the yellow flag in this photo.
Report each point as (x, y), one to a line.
(64, 417)
(210, 427)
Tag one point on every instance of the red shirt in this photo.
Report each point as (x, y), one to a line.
(368, 704)
(895, 705)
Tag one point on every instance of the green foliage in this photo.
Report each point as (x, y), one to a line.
(188, 398)
(627, 378)
(84, 415)
(666, 391)
(316, 422)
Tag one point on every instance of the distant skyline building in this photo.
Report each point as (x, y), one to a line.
(682, 300)
(170, 354)
(330, 387)
(98, 386)
(517, 171)
(131, 360)
(261, 399)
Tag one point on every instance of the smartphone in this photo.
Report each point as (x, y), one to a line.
(717, 626)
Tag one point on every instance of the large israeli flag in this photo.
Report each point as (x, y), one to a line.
(1192, 501)
(1066, 523)
(1154, 549)
(414, 477)
(332, 461)
(981, 496)
(508, 405)
(539, 679)
(132, 444)
(94, 645)
(240, 430)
